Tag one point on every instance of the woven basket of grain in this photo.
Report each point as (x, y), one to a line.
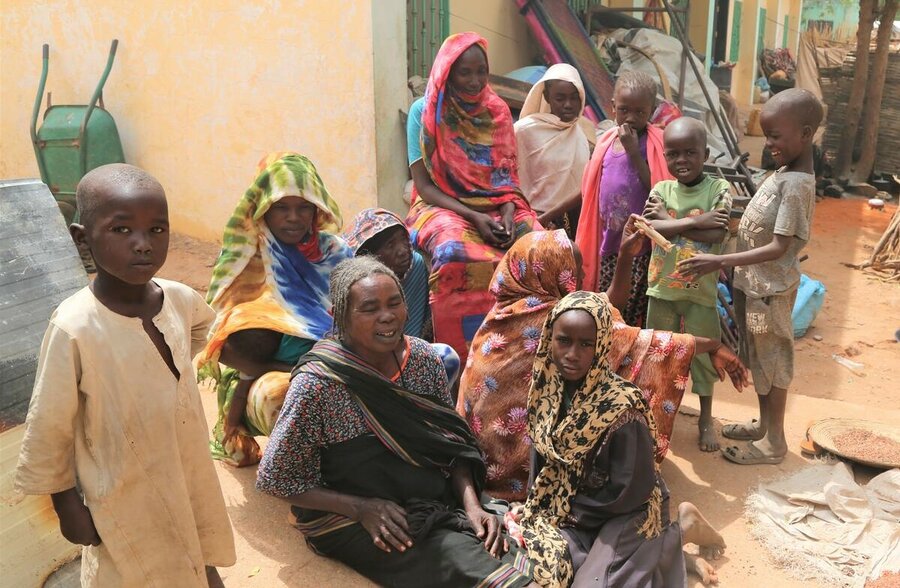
(866, 442)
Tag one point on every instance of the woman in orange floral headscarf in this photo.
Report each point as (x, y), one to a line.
(538, 271)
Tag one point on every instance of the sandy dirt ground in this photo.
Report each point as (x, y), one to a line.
(859, 318)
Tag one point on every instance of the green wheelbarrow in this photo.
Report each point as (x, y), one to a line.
(73, 139)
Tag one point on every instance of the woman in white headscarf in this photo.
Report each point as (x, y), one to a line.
(554, 142)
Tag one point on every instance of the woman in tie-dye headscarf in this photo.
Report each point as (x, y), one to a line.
(270, 290)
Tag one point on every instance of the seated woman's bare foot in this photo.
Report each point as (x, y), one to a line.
(752, 430)
(709, 441)
(697, 530)
(694, 564)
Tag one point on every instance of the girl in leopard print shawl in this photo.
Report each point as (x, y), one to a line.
(597, 508)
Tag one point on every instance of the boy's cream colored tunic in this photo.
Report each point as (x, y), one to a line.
(109, 415)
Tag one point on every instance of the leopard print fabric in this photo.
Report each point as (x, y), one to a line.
(599, 402)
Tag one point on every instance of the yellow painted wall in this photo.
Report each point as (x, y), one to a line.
(698, 25)
(777, 33)
(794, 11)
(743, 74)
(202, 89)
(389, 33)
(510, 44)
(772, 24)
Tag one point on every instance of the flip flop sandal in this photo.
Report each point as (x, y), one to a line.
(749, 455)
(808, 447)
(738, 432)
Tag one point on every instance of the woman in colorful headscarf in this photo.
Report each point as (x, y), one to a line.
(555, 143)
(535, 274)
(270, 290)
(597, 512)
(467, 205)
(381, 234)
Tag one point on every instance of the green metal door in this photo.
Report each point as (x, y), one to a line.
(428, 24)
(761, 32)
(735, 52)
(786, 28)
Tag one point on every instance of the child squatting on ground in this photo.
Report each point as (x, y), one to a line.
(692, 211)
(626, 163)
(774, 229)
(115, 431)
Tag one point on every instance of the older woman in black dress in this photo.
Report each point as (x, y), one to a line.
(380, 472)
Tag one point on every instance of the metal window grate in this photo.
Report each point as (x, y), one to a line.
(428, 24)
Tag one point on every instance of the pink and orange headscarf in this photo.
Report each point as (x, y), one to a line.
(468, 141)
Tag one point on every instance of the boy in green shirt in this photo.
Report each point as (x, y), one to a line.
(691, 211)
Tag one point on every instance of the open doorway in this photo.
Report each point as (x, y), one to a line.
(720, 31)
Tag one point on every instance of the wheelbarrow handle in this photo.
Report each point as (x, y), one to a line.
(45, 58)
(93, 103)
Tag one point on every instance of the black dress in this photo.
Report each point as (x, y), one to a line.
(601, 530)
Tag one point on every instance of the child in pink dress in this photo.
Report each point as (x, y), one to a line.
(627, 162)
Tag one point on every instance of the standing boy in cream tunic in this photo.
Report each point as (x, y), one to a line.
(115, 432)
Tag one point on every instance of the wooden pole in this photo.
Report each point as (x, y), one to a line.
(874, 93)
(857, 91)
(684, 58)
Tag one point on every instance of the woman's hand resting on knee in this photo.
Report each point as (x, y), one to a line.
(386, 523)
(234, 417)
(489, 529)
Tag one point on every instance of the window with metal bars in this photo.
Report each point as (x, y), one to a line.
(427, 25)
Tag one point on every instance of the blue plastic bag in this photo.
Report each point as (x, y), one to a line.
(723, 289)
(810, 296)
